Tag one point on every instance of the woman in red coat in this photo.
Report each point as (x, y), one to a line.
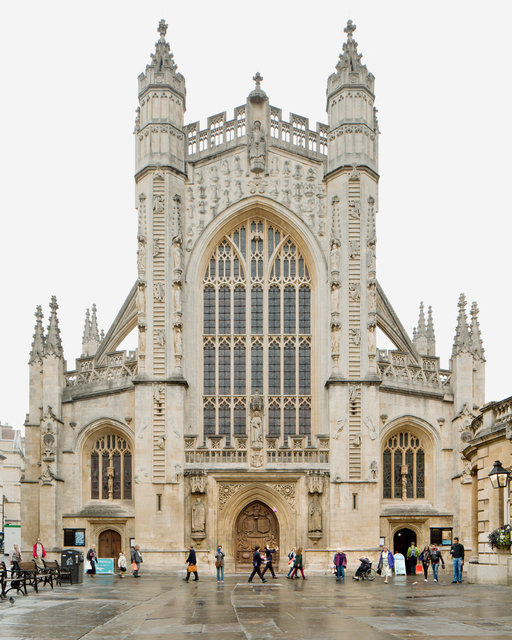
(38, 552)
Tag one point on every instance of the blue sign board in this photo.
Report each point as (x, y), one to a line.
(104, 566)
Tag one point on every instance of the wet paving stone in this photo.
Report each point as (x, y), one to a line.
(162, 606)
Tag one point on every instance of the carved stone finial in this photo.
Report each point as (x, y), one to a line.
(258, 78)
(38, 342)
(475, 335)
(349, 29)
(162, 28)
(431, 336)
(462, 341)
(53, 344)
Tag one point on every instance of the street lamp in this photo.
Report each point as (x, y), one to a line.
(499, 476)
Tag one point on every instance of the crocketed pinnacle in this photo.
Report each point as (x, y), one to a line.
(350, 58)
(36, 353)
(162, 58)
(87, 330)
(95, 335)
(462, 342)
(420, 333)
(475, 335)
(91, 335)
(53, 344)
(431, 336)
(257, 94)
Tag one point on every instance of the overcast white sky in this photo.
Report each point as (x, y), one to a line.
(69, 92)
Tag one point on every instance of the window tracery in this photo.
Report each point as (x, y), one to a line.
(111, 468)
(403, 466)
(256, 332)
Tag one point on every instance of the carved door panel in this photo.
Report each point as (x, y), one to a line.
(109, 544)
(256, 525)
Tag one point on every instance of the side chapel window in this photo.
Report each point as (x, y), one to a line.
(403, 467)
(111, 468)
(256, 332)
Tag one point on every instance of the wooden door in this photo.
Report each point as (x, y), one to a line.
(256, 525)
(109, 544)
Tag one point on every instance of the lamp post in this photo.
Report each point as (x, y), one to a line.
(499, 476)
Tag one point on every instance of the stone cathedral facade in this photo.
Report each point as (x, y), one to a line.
(257, 407)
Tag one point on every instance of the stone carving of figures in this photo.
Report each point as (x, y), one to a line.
(373, 469)
(158, 204)
(141, 231)
(315, 516)
(178, 344)
(355, 337)
(298, 172)
(256, 402)
(239, 193)
(160, 443)
(198, 517)
(215, 193)
(190, 193)
(257, 148)
(335, 298)
(353, 392)
(238, 166)
(353, 249)
(354, 209)
(156, 248)
(335, 256)
(354, 291)
(370, 261)
(159, 394)
(214, 176)
(177, 256)
(141, 297)
(371, 336)
(257, 430)
(297, 191)
(177, 299)
(286, 168)
(274, 166)
(176, 475)
(190, 237)
(110, 481)
(176, 215)
(286, 196)
(335, 340)
(160, 337)
(372, 429)
(142, 338)
(340, 425)
(159, 291)
(227, 197)
(141, 257)
(225, 167)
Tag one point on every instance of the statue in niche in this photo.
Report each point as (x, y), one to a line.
(198, 517)
(110, 482)
(160, 337)
(238, 166)
(372, 429)
(257, 430)
(141, 257)
(340, 424)
(315, 516)
(354, 291)
(177, 257)
(256, 402)
(156, 248)
(225, 167)
(214, 175)
(141, 297)
(257, 148)
(373, 469)
(354, 209)
(177, 299)
(158, 204)
(142, 338)
(159, 291)
(371, 336)
(335, 340)
(355, 337)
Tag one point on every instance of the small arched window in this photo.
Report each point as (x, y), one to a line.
(403, 466)
(111, 468)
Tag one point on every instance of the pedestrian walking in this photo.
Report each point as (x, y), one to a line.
(268, 562)
(121, 565)
(424, 558)
(291, 556)
(457, 553)
(340, 562)
(15, 558)
(256, 564)
(136, 560)
(412, 556)
(435, 559)
(219, 563)
(386, 564)
(191, 563)
(298, 564)
(93, 559)
(38, 553)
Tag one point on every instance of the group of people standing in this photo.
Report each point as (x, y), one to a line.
(431, 556)
(136, 560)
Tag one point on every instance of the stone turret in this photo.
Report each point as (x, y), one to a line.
(91, 337)
(478, 357)
(431, 336)
(159, 123)
(258, 127)
(420, 332)
(353, 127)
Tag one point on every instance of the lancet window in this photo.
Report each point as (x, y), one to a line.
(403, 467)
(256, 333)
(111, 468)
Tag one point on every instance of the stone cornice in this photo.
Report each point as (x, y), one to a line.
(349, 168)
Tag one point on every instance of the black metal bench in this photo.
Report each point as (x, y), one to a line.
(57, 571)
(36, 575)
(11, 579)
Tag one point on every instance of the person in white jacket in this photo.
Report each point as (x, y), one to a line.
(121, 563)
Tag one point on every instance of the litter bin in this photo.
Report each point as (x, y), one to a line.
(73, 560)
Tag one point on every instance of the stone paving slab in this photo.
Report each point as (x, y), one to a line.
(160, 606)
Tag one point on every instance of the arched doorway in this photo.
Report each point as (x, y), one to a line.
(109, 544)
(402, 540)
(255, 525)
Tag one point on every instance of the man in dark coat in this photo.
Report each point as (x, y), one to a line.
(136, 559)
(268, 565)
(256, 564)
(191, 561)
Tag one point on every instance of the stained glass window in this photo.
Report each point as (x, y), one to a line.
(403, 467)
(111, 465)
(256, 332)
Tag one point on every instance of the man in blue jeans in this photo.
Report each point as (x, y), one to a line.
(457, 552)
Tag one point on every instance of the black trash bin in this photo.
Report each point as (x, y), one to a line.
(73, 560)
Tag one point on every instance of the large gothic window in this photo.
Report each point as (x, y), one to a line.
(403, 466)
(256, 332)
(111, 468)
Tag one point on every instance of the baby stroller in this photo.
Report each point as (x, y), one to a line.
(365, 571)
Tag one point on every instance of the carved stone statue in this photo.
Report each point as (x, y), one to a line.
(257, 430)
(141, 297)
(110, 481)
(159, 204)
(256, 402)
(315, 516)
(159, 291)
(257, 148)
(373, 469)
(142, 338)
(141, 257)
(198, 517)
(177, 257)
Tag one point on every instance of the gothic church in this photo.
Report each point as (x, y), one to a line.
(257, 407)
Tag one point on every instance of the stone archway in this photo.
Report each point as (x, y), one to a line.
(109, 544)
(256, 524)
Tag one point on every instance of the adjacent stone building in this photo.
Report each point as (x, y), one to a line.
(11, 471)
(257, 407)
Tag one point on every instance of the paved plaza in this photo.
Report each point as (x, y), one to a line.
(159, 606)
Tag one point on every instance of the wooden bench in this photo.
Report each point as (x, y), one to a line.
(11, 579)
(36, 575)
(57, 571)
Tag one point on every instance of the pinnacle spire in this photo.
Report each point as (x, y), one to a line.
(420, 332)
(475, 335)
(37, 350)
(53, 344)
(462, 341)
(94, 325)
(350, 58)
(162, 58)
(431, 336)
(91, 336)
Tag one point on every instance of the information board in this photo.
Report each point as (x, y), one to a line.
(104, 566)
(399, 565)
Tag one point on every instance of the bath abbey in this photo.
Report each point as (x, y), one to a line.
(257, 407)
